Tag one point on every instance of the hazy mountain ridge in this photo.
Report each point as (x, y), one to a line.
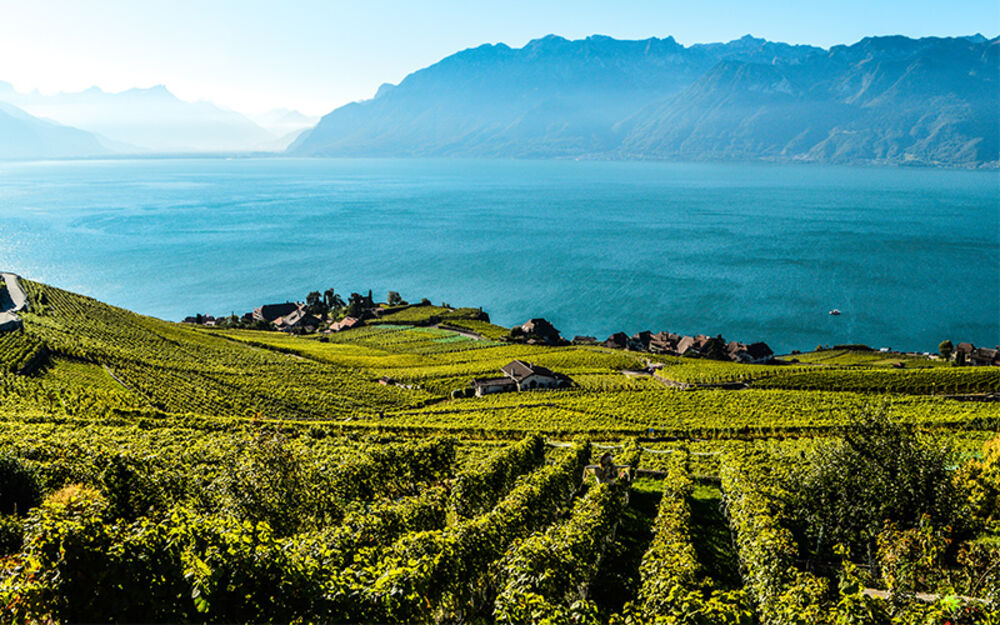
(883, 99)
(23, 136)
(146, 120)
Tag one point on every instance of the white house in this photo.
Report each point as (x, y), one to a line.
(520, 376)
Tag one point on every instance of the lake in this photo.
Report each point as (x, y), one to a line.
(754, 252)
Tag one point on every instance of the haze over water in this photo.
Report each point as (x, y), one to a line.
(755, 252)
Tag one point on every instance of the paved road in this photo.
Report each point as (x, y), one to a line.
(15, 302)
(15, 291)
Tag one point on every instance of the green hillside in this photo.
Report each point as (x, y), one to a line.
(248, 476)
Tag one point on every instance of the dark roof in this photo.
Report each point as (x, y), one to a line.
(619, 339)
(685, 343)
(642, 337)
(985, 353)
(270, 312)
(735, 347)
(758, 351)
(519, 370)
(965, 347)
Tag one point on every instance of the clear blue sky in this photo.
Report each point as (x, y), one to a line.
(314, 55)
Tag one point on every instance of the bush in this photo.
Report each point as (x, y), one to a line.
(979, 483)
(269, 483)
(19, 488)
(880, 471)
(11, 535)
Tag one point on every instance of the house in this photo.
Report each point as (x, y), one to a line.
(755, 353)
(272, 312)
(541, 330)
(297, 320)
(201, 320)
(346, 324)
(639, 341)
(584, 340)
(618, 340)
(520, 376)
(760, 353)
(984, 357)
(663, 343)
(530, 376)
(686, 344)
(488, 386)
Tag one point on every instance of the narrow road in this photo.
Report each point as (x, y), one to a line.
(16, 293)
(13, 302)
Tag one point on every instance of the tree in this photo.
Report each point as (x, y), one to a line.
(946, 348)
(315, 304)
(394, 298)
(268, 481)
(882, 470)
(715, 348)
(356, 305)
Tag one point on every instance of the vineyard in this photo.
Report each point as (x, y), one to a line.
(157, 472)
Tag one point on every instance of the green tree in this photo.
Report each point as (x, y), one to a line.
(946, 348)
(394, 298)
(315, 304)
(715, 348)
(269, 482)
(881, 470)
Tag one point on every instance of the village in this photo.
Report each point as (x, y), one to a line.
(329, 313)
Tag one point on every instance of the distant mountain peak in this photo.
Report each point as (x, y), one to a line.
(155, 91)
(144, 119)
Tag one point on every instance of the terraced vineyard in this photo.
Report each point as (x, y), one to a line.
(156, 472)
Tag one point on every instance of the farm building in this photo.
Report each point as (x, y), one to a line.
(272, 312)
(520, 376)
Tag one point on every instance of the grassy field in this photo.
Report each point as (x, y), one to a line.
(147, 450)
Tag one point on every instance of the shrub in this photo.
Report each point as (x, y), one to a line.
(19, 488)
(11, 535)
(881, 470)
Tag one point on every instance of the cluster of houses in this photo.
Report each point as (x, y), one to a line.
(701, 346)
(969, 354)
(520, 376)
(292, 317)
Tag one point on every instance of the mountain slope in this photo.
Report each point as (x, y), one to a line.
(23, 136)
(931, 101)
(553, 97)
(883, 99)
(151, 119)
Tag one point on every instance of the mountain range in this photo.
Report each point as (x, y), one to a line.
(23, 136)
(931, 101)
(155, 120)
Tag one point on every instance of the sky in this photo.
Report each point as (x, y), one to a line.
(315, 55)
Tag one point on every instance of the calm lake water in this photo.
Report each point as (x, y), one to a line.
(755, 252)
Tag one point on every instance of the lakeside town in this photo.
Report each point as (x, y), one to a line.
(328, 312)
